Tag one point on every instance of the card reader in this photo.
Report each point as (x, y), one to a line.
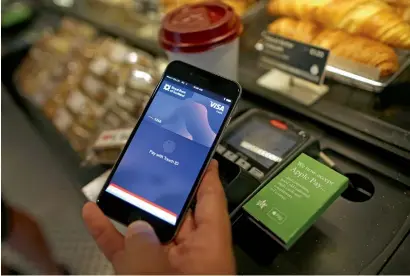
(258, 141)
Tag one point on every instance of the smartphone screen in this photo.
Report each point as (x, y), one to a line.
(165, 156)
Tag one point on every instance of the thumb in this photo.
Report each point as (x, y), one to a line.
(141, 236)
(143, 252)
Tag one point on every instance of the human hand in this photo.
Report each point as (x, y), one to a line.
(202, 246)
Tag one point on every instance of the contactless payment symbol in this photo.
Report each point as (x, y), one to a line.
(169, 146)
(277, 215)
(167, 87)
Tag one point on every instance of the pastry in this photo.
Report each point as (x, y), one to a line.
(357, 48)
(304, 31)
(398, 2)
(403, 11)
(372, 18)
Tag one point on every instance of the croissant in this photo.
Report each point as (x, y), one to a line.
(403, 11)
(357, 48)
(398, 2)
(371, 18)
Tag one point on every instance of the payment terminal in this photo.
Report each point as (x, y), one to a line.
(259, 141)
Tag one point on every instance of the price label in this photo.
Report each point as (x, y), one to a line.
(301, 60)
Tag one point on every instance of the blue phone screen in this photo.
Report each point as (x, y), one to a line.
(167, 152)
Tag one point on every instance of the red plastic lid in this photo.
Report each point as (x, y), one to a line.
(199, 27)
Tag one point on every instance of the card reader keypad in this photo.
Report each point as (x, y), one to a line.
(243, 164)
(230, 156)
(256, 173)
(240, 159)
(220, 149)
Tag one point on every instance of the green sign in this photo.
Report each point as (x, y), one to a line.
(291, 202)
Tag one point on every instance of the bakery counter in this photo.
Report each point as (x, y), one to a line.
(379, 119)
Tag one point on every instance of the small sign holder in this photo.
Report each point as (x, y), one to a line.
(297, 70)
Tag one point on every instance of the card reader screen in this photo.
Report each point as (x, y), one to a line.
(263, 142)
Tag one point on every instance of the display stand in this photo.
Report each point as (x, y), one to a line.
(297, 89)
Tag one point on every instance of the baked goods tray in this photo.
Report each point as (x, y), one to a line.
(345, 76)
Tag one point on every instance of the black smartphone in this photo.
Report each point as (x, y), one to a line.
(160, 168)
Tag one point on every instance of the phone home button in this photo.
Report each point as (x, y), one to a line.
(133, 217)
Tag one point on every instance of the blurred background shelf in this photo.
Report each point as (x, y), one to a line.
(58, 144)
(381, 120)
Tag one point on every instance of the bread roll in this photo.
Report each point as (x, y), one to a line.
(356, 48)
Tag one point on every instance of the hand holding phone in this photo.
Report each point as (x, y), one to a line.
(159, 170)
(202, 246)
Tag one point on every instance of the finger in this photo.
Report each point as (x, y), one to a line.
(211, 207)
(144, 250)
(186, 229)
(213, 165)
(211, 184)
(108, 239)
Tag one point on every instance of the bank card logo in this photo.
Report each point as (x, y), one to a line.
(217, 106)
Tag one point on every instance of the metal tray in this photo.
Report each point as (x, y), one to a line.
(350, 78)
